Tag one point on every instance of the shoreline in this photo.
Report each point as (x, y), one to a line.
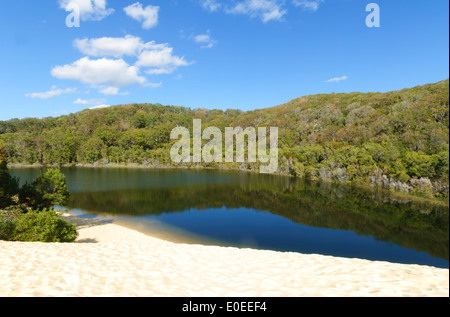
(397, 194)
(112, 260)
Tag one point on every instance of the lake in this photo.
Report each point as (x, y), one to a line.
(261, 211)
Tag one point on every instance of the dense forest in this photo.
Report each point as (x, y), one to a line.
(397, 140)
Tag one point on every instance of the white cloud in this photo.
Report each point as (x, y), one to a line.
(54, 92)
(266, 10)
(148, 16)
(94, 10)
(80, 101)
(210, 5)
(84, 102)
(312, 5)
(110, 91)
(115, 91)
(160, 59)
(110, 46)
(110, 72)
(205, 39)
(100, 107)
(337, 79)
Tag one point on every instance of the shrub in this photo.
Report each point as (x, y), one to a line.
(37, 226)
(297, 169)
(420, 165)
(2, 151)
(402, 176)
(311, 172)
(9, 186)
(6, 229)
(7, 217)
(47, 190)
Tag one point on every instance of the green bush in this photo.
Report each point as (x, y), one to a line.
(46, 191)
(311, 172)
(297, 169)
(420, 164)
(9, 186)
(37, 226)
(6, 229)
(402, 176)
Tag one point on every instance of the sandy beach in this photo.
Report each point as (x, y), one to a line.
(111, 260)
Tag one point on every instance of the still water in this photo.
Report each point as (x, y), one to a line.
(262, 211)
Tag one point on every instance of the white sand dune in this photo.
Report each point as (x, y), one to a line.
(110, 260)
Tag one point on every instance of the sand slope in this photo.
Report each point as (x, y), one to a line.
(110, 260)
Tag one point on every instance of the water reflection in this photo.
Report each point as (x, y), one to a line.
(272, 212)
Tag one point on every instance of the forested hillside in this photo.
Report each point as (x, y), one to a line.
(397, 140)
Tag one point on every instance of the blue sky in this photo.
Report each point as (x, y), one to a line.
(215, 54)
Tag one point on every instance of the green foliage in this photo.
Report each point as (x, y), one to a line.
(6, 223)
(47, 190)
(402, 176)
(9, 186)
(37, 226)
(298, 169)
(19, 222)
(2, 151)
(91, 150)
(419, 164)
(442, 164)
(400, 134)
(58, 146)
(311, 172)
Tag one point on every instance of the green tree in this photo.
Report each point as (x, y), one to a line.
(419, 164)
(91, 151)
(9, 186)
(46, 191)
(2, 151)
